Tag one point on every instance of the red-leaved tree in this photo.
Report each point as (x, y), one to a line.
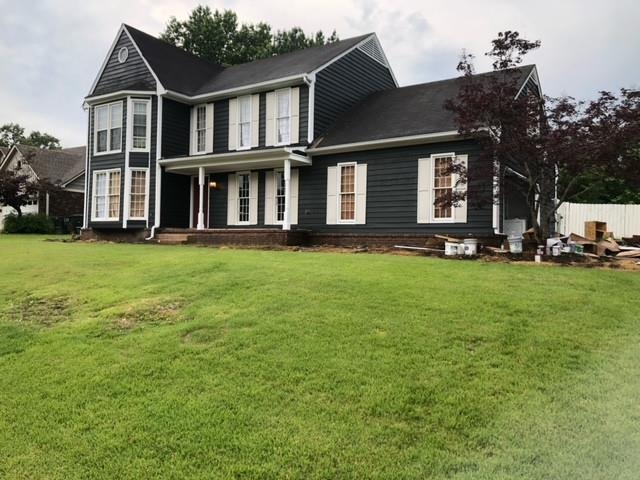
(550, 144)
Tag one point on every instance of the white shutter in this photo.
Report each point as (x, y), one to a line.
(269, 198)
(209, 132)
(361, 194)
(460, 212)
(270, 127)
(232, 199)
(332, 195)
(192, 143)
(424, 190)
(253, 198)
(255, 120)
(294, 182)
(295, 115)
(233, 123)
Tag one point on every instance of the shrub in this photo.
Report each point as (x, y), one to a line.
(28, 224)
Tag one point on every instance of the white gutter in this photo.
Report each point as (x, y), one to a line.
(275, 83)
(85, 219)
(158, 184)
(118, 94)
(386, 143)
(310, 80)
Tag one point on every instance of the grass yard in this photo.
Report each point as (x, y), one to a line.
(144, 361)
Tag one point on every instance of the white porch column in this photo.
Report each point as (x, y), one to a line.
(200, 225)
(286, 224)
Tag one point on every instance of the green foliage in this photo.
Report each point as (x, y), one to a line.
(218, 37)
(28, 224)
(140, 361)
(13, 134)
(17, 189)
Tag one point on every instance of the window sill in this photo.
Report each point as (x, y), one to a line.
(110, 152)
(105, 219)
(140, 150)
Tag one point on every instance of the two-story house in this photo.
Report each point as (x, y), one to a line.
(317, 145)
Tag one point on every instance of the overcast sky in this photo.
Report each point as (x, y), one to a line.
(51, 50)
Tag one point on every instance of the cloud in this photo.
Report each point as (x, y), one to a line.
(51, 50)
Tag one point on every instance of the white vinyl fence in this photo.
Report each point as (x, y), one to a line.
(622, 220)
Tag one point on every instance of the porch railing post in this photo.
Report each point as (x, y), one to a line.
(200, 225)
(286, 224)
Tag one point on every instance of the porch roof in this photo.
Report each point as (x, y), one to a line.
(234, 161)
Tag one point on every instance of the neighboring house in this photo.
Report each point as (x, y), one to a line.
(319, 142)
(63, 168)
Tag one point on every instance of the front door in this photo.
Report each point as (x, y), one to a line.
(195, 201)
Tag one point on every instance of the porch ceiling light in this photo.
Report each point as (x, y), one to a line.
(213, 184)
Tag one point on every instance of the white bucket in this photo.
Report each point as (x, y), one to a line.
(470, 246)
(452, 248)
(515, 244)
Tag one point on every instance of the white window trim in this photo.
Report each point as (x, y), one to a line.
(146, 193)
(147, 146)
(432, 217)
(276, 143)
(93, 196)
(195, 129)
(95, 131)
(238, 174)
(239, 124)
(339, 192)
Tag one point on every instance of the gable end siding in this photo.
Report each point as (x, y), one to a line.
(343, 84)
(130, 75)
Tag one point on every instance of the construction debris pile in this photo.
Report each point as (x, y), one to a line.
(596, 243)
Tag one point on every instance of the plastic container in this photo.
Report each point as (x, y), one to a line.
(515, 243)
(451, 248)
(470, 246)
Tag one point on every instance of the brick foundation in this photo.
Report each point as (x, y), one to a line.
(386, 240)
(115, 235)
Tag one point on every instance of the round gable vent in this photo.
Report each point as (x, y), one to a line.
(123, 54)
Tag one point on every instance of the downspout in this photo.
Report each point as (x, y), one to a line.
(158, 177)
(310, 80)
(85, 219)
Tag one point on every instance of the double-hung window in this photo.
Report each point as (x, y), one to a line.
(279, 195)
(442, 187)
(283, 117)
(141, 118)
(244, 200)
(106, 195)
(108, 128)
(201, 128)
(347, 192)
(244, 121)
(138, 194)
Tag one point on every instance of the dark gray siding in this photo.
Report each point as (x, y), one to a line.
(174, 208)
(304, 116)
(130, 75)
(176, 118)
(221, 126)
(77, 184)
(392, 191)
(343, 84)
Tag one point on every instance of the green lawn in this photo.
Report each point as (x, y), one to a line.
(145, 361)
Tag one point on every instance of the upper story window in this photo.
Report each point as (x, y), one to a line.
(244, 121)
(108, 128)
(283, 117)
(141, 124)
(202, 129)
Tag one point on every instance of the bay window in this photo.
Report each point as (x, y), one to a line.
(138, 194)
(106, 195)
(141, 121)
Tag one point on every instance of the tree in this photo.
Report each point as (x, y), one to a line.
(218, 37)
(552, 143)
(13, 134)
(17, 189)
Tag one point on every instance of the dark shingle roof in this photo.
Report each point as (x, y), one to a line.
(183, 72)
(288, 64)
(3, 152)
(57, 166)
(176, 69)
(401, 112)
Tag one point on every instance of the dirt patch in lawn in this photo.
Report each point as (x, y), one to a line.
(156, 312)
(203, 336)
(39, 310)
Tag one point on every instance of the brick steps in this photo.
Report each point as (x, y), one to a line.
(172, 238)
